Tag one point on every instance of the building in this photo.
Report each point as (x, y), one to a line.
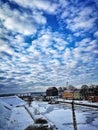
(53, 91)
(92, 98)
(77, 95)
(95, 99)
(68, 94)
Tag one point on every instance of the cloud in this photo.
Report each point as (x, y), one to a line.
(5, 48)
(38, 17)
(78, 18)
(43, 63)
(82, 21)
(96, 34)
(85, 50)
(47, 6)
(35, 54)
(21, 22)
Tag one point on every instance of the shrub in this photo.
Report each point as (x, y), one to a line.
(41, 121)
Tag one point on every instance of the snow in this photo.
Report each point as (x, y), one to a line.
(62, 119)
(95, 122)
(51, 112)
(20, 119)
(87, 127)
(5, 113)
(12, 117)
(80, 118)
(87, 102)
(13, 101)
(87, 119)
(35, 113)
(80, 102)
(61, 116)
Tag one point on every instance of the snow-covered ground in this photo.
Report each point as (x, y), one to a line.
(16, 114)
(61, 116)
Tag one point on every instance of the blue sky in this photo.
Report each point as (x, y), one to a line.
(46, 43)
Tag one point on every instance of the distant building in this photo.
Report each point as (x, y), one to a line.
(77, 95)
(53, 91)
(70, 94)
(92, 98)
(95, 99)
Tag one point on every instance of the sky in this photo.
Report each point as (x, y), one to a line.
(45, 43)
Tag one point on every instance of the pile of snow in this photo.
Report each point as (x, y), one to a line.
(13, 101)
(38, 118)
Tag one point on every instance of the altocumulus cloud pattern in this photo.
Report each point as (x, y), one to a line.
(47, 43)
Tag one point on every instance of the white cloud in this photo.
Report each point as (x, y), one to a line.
(38, 17)
(96, 34)
(60, 43)
(47, 41)
(78, 18)
(67, 54)
(64, 14)
(44, 5)
(63, 3)
(19, 39)
(84, 42)
(38, 4)
(5, 48)
(21, 22)
(55, 62)
(86, 12)
(78, 24)
(86, 45)
(48, 58)
(82, 20)
(49, 68)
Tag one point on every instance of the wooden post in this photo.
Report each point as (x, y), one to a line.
(74, 116)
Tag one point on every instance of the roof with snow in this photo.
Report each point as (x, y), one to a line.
(13, 101)
(12, 117)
